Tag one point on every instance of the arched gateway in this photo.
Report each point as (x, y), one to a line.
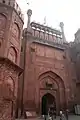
(51, 89)
(48, 101)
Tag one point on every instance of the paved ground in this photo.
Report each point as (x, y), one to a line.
(74, 117)
(71, 117)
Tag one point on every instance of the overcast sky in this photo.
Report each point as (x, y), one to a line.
(56, 11)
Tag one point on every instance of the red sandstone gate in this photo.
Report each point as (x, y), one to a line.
(51, 83)
(52, 96)
(48, 101)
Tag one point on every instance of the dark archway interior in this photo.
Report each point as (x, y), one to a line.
(48, 101)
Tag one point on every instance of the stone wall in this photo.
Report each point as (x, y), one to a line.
(41, 58)
(75, 58)
(9, 73)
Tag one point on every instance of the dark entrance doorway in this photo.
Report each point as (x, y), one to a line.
(48, 101)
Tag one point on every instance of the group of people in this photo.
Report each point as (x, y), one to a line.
(64, 115)
(52, 115)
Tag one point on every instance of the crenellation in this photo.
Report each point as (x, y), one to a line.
(44, 32)
(8, 2)
(51, 37)
(33, 32)
(13, 4)
(45, 28)
(42, 35)
(46, 36)
(17, 8)
(37, 33)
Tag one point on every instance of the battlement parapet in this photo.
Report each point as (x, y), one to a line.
(47, 29)
(46, 33)
(13, 4)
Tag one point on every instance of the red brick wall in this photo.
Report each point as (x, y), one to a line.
(8, 88)
(39, 60)
(11, 25)
(16, 28)
(10, 31)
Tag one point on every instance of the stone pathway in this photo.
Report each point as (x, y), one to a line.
(71, 117)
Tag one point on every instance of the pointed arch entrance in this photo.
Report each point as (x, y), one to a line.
(48, 101)
(50, 82)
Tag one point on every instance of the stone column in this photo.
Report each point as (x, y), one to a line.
(62, 30)
(29, 13)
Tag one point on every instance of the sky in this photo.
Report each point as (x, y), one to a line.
(55, 11)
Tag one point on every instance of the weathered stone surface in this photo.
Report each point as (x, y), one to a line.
(9, 73)
(11, 24)
(5, 110)
(46, 62)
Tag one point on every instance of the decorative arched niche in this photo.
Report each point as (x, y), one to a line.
(10, 83)
(12, 54)
(15, 31)
(50, 82)
(3, 20)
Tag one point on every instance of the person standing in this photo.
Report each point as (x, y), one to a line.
(61, 115)
(46, 113)
(55, 114)
(66, 114)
